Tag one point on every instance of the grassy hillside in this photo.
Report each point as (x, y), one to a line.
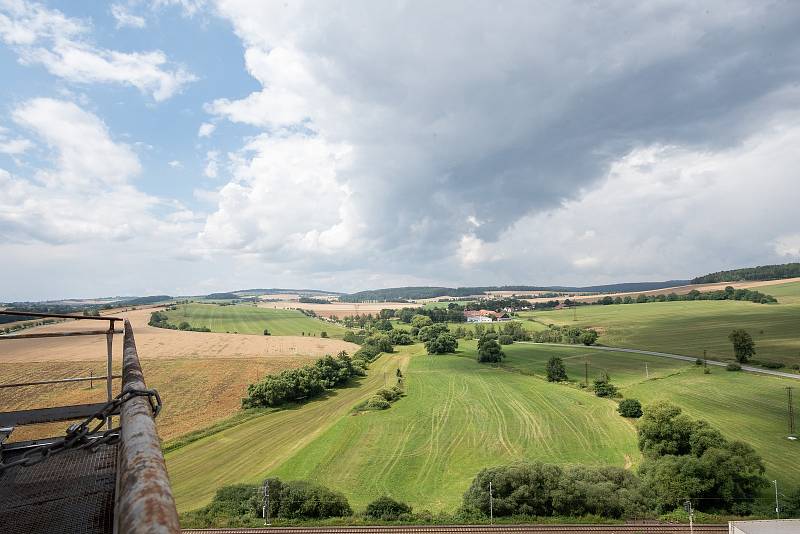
(689, 327)
(248, 319)
(458, 417)
(744, 406)
(251, 450)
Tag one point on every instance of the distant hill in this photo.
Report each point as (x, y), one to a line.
(427, 292)
(761, 272)
(222, 296)
(283, 291)
(139, 301)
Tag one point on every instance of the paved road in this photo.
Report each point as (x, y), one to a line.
(749, 368)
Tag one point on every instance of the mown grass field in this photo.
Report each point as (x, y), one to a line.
(249, 319)
(690, 327)
(458, 417)
(744, 406)
(249, 451)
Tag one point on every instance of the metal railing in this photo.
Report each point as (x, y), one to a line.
(46, 415)
(143, 500)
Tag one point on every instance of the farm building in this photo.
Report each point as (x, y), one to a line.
(485, 316)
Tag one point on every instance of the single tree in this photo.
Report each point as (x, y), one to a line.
(743, 345)
(556, 372)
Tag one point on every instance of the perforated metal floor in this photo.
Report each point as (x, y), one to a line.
(71, 492)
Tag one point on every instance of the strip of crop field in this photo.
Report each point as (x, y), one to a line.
(249, 319)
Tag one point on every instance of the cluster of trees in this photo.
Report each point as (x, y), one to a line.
(762, 272)
(312, 300)
(498, 304)
(565, 334)
(241, 504)
(437, 339)
(555, 370)
(686, 458)
(160, 320)
(540, 489)
(304, 383)
(683, 459)
(729, 293)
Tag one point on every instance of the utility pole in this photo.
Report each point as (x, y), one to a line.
(688, 507)
(646, 370)
(791, 411)
(491, 504)
(265, 503)
(705, 364)
(586, 373)
(777, 504)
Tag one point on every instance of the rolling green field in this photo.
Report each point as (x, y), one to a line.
(248, 319)
(744, 406)
(689, 327)
(457, 418)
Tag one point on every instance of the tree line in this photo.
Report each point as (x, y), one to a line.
(762, 272)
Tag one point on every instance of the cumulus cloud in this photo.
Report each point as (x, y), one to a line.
(497, 115)
(212, 164)
(206, 129)
(125, 18)
(285, 201)
(87, 194)
(58, 43)
(14, 146)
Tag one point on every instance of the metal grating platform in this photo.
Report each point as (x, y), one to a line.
(69, 492)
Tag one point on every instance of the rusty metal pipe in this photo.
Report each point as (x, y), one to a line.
(59, 315)
(58, 334)
(143, 500)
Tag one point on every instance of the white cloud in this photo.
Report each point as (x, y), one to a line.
(47, 37)
(125, 18)
(788, 246)
(86, 154)
(14, 147)
(206, 129)
(285, 201)
(212, 164)
(175, 164)
(87, 195)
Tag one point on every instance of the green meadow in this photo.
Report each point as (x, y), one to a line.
(249, 319)
(688, 328)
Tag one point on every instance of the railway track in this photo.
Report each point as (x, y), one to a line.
(641, 528)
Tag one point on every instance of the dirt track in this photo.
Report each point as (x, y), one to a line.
(159, 343)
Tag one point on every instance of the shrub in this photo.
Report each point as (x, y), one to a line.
(489, 350)
(388, 394)
(772, 365)
(603, 386)
(698, 361)
(556, 372)
(588, 337)
(630, 408)
(266, 332)
(506, 339)
(387, 509)
(184, 326)
(377, 402)
(733, 367)
(323, 334)
(441, 344)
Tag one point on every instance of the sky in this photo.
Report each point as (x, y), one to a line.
(190, 146)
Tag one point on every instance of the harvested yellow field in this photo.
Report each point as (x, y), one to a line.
(200, 376)
(196, 392)
(160, 343)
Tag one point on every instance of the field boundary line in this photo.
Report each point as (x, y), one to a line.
(748, 368)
